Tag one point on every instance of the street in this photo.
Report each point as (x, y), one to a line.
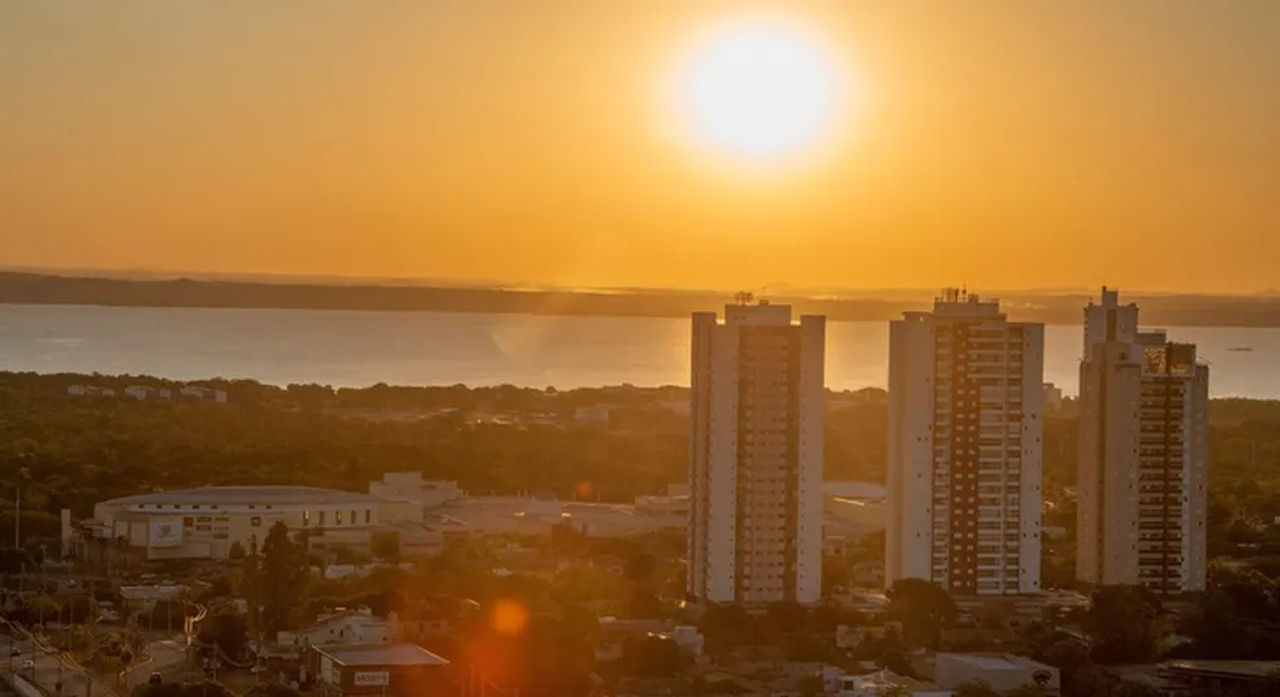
(50, 668)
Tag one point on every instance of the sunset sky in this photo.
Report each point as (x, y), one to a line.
(1002, 144)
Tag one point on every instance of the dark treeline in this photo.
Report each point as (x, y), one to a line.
(80, 450)
(1060, 308)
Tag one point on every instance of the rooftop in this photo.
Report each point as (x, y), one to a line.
(993, 661)
(382, 655)
(1225, 668)
(232, 495)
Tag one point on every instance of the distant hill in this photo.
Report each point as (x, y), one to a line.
(34, 288)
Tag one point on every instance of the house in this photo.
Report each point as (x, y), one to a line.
(147, 392)
(880, 682)
(344, 627)
(1004, 672)
(90, 391)
(386, 670)
(599, 413)
(203, 394)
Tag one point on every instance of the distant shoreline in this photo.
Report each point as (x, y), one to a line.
(1064, 309)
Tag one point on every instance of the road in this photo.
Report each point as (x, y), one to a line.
(50, 668)
(164, 656)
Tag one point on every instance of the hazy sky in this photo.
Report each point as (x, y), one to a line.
(1000, 144)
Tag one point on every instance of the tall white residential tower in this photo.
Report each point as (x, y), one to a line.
(965, 425)
(755, 475)
(1143, 462)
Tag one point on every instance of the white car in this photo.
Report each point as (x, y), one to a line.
(28, 664)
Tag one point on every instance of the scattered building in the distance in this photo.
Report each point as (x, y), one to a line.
(198, 393)
(203, 394)
(1143, 462)
(756, 455)
(1052, 398)
(91, 391)
(965, 425)
(147, 392)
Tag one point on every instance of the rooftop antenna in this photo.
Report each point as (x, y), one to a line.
(744, 298)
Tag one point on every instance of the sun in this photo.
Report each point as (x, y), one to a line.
(758, 90)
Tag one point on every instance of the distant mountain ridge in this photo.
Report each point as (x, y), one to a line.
(43, 288)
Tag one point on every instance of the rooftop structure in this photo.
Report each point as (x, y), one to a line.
(264, 495)
(1003, 672)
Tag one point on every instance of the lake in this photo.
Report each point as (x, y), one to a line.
(356, 348)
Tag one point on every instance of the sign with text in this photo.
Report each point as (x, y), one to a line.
(380, 678)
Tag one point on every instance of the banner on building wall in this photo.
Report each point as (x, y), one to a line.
(166, 533)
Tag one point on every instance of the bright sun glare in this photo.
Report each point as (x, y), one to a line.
(759, 91)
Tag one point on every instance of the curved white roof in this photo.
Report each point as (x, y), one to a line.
(247, 495)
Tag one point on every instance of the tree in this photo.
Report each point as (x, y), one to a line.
(283, 580)
(1123, 623)
(227, 632)
(385, 546)
(645, 605)
(923, 607)
(812, 686)
(1088, 681)
(975, 688)
(1135, 689)
(640, 566)
(784, 618)
(651, 657)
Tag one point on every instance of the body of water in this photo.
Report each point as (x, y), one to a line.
(356, 349)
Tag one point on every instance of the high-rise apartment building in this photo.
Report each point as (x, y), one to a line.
(1143, 461)
(965, 425)
(755, 475)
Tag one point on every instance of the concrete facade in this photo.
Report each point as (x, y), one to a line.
(1143, 461)
(756, 456)
(965, 429)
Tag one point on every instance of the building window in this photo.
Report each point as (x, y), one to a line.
(306, 518)
(337, 517)
(368, 516)
(256, 521)
(322, 519)
(353, 517)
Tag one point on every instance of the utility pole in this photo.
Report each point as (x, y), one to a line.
(17, 508)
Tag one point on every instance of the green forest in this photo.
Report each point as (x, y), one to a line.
(58, 450)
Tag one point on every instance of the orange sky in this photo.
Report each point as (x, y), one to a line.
(1001, 144)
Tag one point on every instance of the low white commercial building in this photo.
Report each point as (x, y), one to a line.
(1003, 672)
(351, 627)
(211, 522)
